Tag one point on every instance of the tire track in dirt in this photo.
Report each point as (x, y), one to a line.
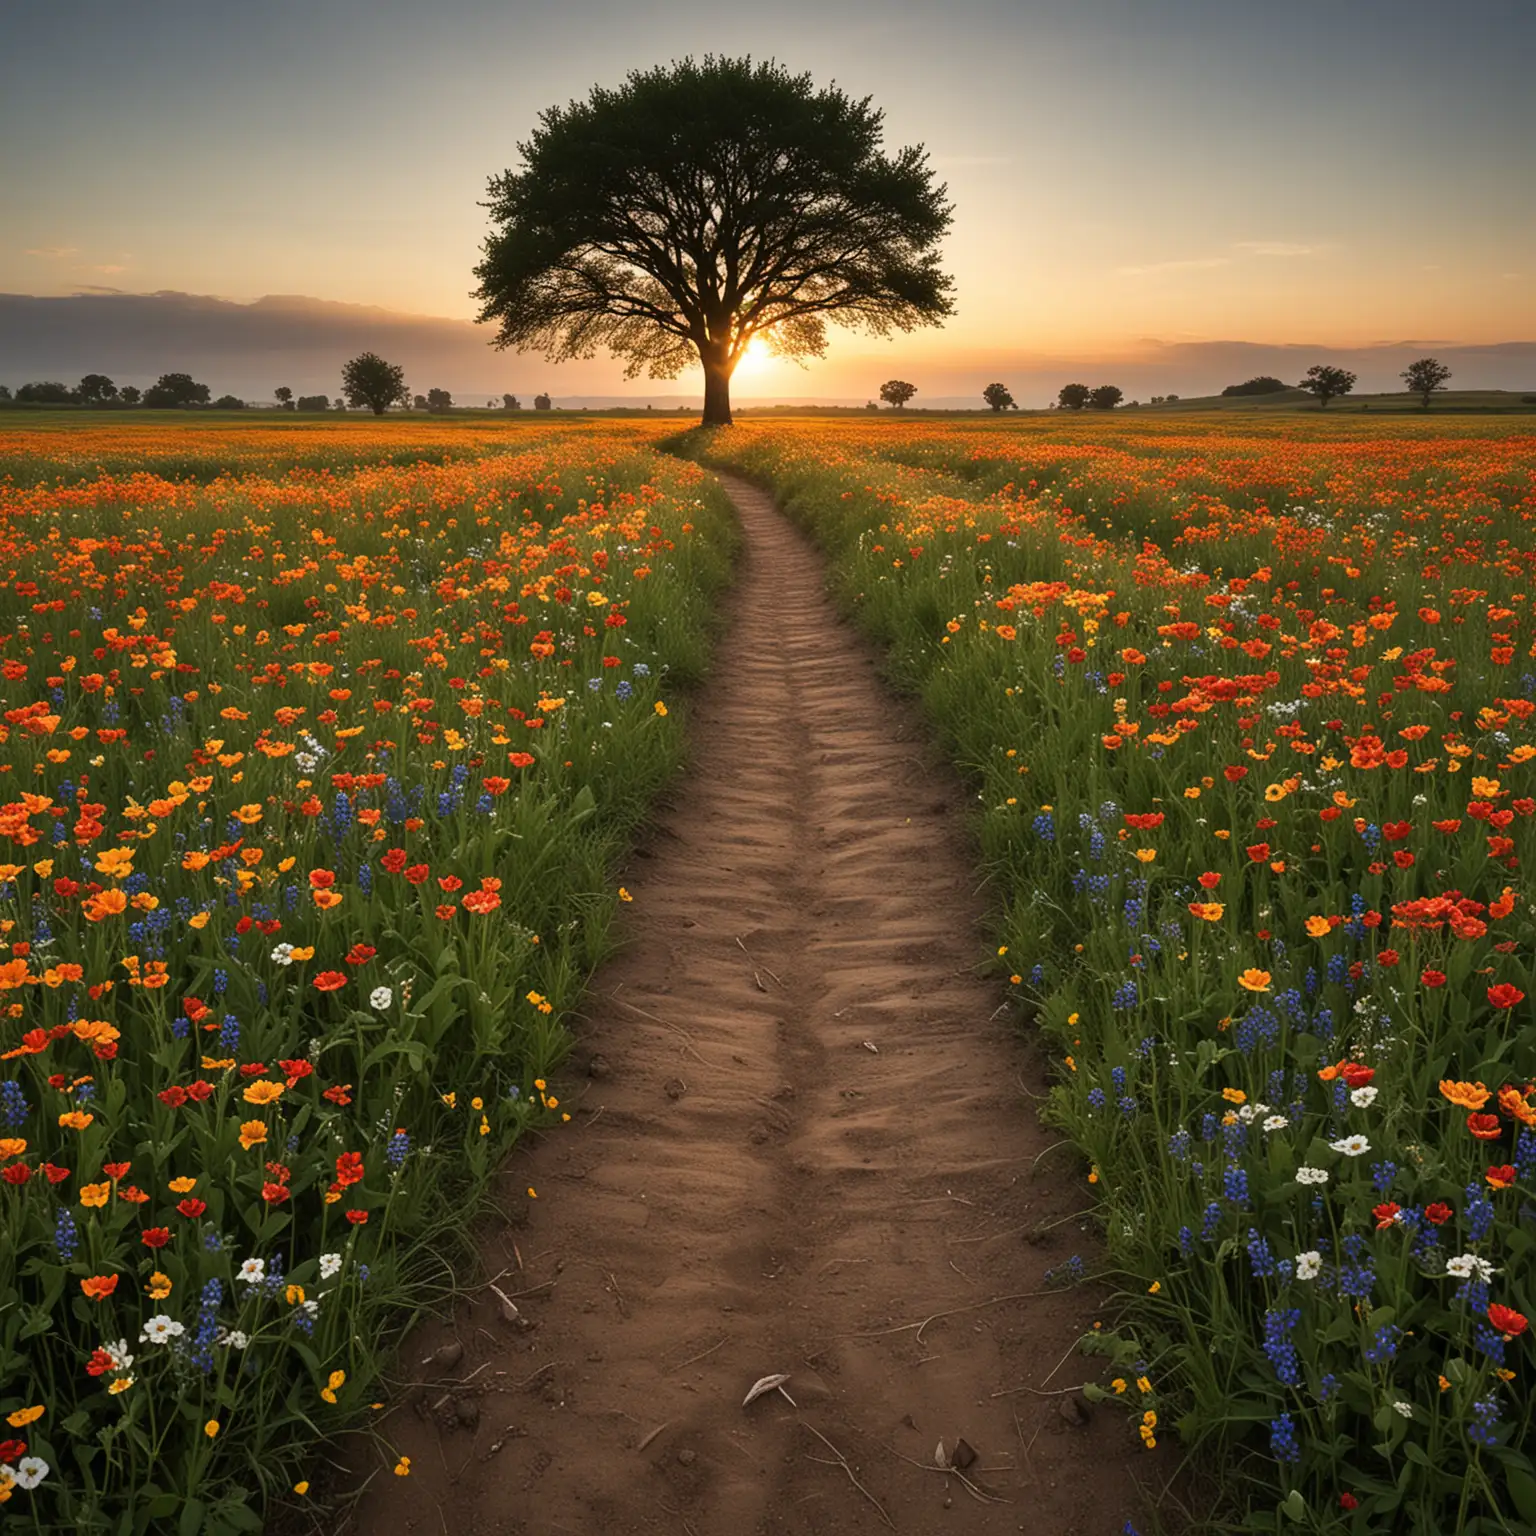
(746, 1187)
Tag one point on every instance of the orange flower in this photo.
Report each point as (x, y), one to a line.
(262, 1092)
(99, 1287)
(1207, 911)
(1502, 1176)
(1464, 1095)
(1253, 980)
(1514, 1103)
(1319, 927)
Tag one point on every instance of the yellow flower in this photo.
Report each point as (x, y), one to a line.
(1319, 927)
(477, 1102)
(198, 920)
(1154, 1288)
(624, 895)
(1149, 1418)
(1234, 1095)
(661, 708)
(1118, 1384)
(1146, 855)
(211, 1428)
(121, 1385)
(451, 1100)
(24, 1416)
(533, 1194)
(75, 1120)
(294, 1295)
(183, 1185)
(264, 1092)
(159, 1286)
(252, 1134)
(403, 1467)
(1143, 1385)
(1253, 980)
(95, 1194)
(301, 1488)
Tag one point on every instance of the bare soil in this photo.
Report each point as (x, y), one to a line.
(801, 1142)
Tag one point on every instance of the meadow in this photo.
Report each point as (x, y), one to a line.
(1249, 708)
(319, 753)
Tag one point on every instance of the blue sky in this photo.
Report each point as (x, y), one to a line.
(1333, 173)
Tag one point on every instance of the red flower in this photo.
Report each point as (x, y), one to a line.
(275, 1194)
(1257, 852)
(156, 1237)
(1385, 1215)
(444, 911)
(361, 954)
(1387, 957)
(1396, 831)
(199, 1090)
(330, 981)
(1355, 1074)
(191, 1207)
(115, 1170)
(322, 879)
(1504, 995)
(1210, 880)
(358, 1218)
(521, 759)
(394, 860)
(349, 1168)
(1506, 1320)
(1502, 1176)
(1430, 978)
(12, 1450)
(1348, 1501)
(1485, 1127)
(482, 901)
(296, 1069)
(494, 784)
(17, 1174)
(174, 1096)
(1234, 774)
(338, 1094)
(1438, 1214)
(418, 873)
(98, 1365)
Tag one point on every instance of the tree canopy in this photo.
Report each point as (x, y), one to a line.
(1073, 397)
(896, 392)
(1424, 377)
(1106, 397)
(697, 206)
(997, 396)
(1326, 381)
(368, 380)
(176, 389)
(1261, 384)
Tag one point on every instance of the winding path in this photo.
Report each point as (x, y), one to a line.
(802, 1132)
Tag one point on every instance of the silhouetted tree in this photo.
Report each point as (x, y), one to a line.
(542, 403)
(1424, 377)
(511, 403)
(5, 391)
(284, 397)
(1263, 384)
(46, 392)
(176, 389)
(1106, 397)
(438, 400)
(997, 396)
(229, 403)
(1325, 382)
(338, 404)
(418, 402)
(95, 389)
(1169, 399)
(1073, 397)
(698, 206)
(129, 394)
(314, 402)
(896, 392)
(368, 380)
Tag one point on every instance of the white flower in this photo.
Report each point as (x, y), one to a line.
(253, 1271)
(1406, 1409)
(330, 1264)
(1363, 1098)
(121, 1359)
(311, 1307)
(1305, 1175)
(236, 1339)
(1251, 1112)
(1309, 1264)
(30, 1471)
(283, 954)
(161, 1329)
(1275, 1123)
(1351, 1146)
(381, 998)
(1469, 1266)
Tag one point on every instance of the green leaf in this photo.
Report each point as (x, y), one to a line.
(191, 1522)
(1293, 1506)
(1522, 1490)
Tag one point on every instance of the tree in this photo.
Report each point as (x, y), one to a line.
(1169, 399)
(95, 389)
(1325, 382)
(338, 404)
(511, 403)
(438, 400)
(368, 380)
(699, 206)
(1424, 377)
(46, 392)
(284, 397)
(1073, 397)
(896, 392)
(176, 389)
(542, 403)
(129, 394)
(314, 402)
(997, 396)
(1106, 397)
(5, 391)
(229, 403)
(1263, 384)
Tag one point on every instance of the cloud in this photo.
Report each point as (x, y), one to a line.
(1190, 264)
(54, 252)
(1274, 248)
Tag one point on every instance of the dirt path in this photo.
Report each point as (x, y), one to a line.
(803, 1134)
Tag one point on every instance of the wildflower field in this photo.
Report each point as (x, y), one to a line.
(318, 752)
(1251, 714)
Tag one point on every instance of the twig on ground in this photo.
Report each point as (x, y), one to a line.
(1036, 1391)
(979, 1494)
(1061, 1362)
(694, 1359)
(650, 1437)
(842, 1461)
(750, 956)
(974, 1306)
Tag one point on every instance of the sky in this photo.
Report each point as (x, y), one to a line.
(1130, 177)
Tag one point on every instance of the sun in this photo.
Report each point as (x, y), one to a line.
(756, 357)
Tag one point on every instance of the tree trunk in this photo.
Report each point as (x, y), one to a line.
(717, 388)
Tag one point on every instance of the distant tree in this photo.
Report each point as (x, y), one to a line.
(1073, 397)
(5, 391)
(229, 403)
(95, 389)
(418, 402)
(997, 396)
(896, 392)
(698, 206)
(1155, 400)
(872, 406)
(314, 402)
(1262, 384)
(46, 392)
(284, 397)
(542, 403)
(1325, 382)
(1424, 377)
(338, 404)
(129, 394)
(439, 400)
(1169, 399)
(511, 403)
(176, 389)
(1106, 397)
(368, 380)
